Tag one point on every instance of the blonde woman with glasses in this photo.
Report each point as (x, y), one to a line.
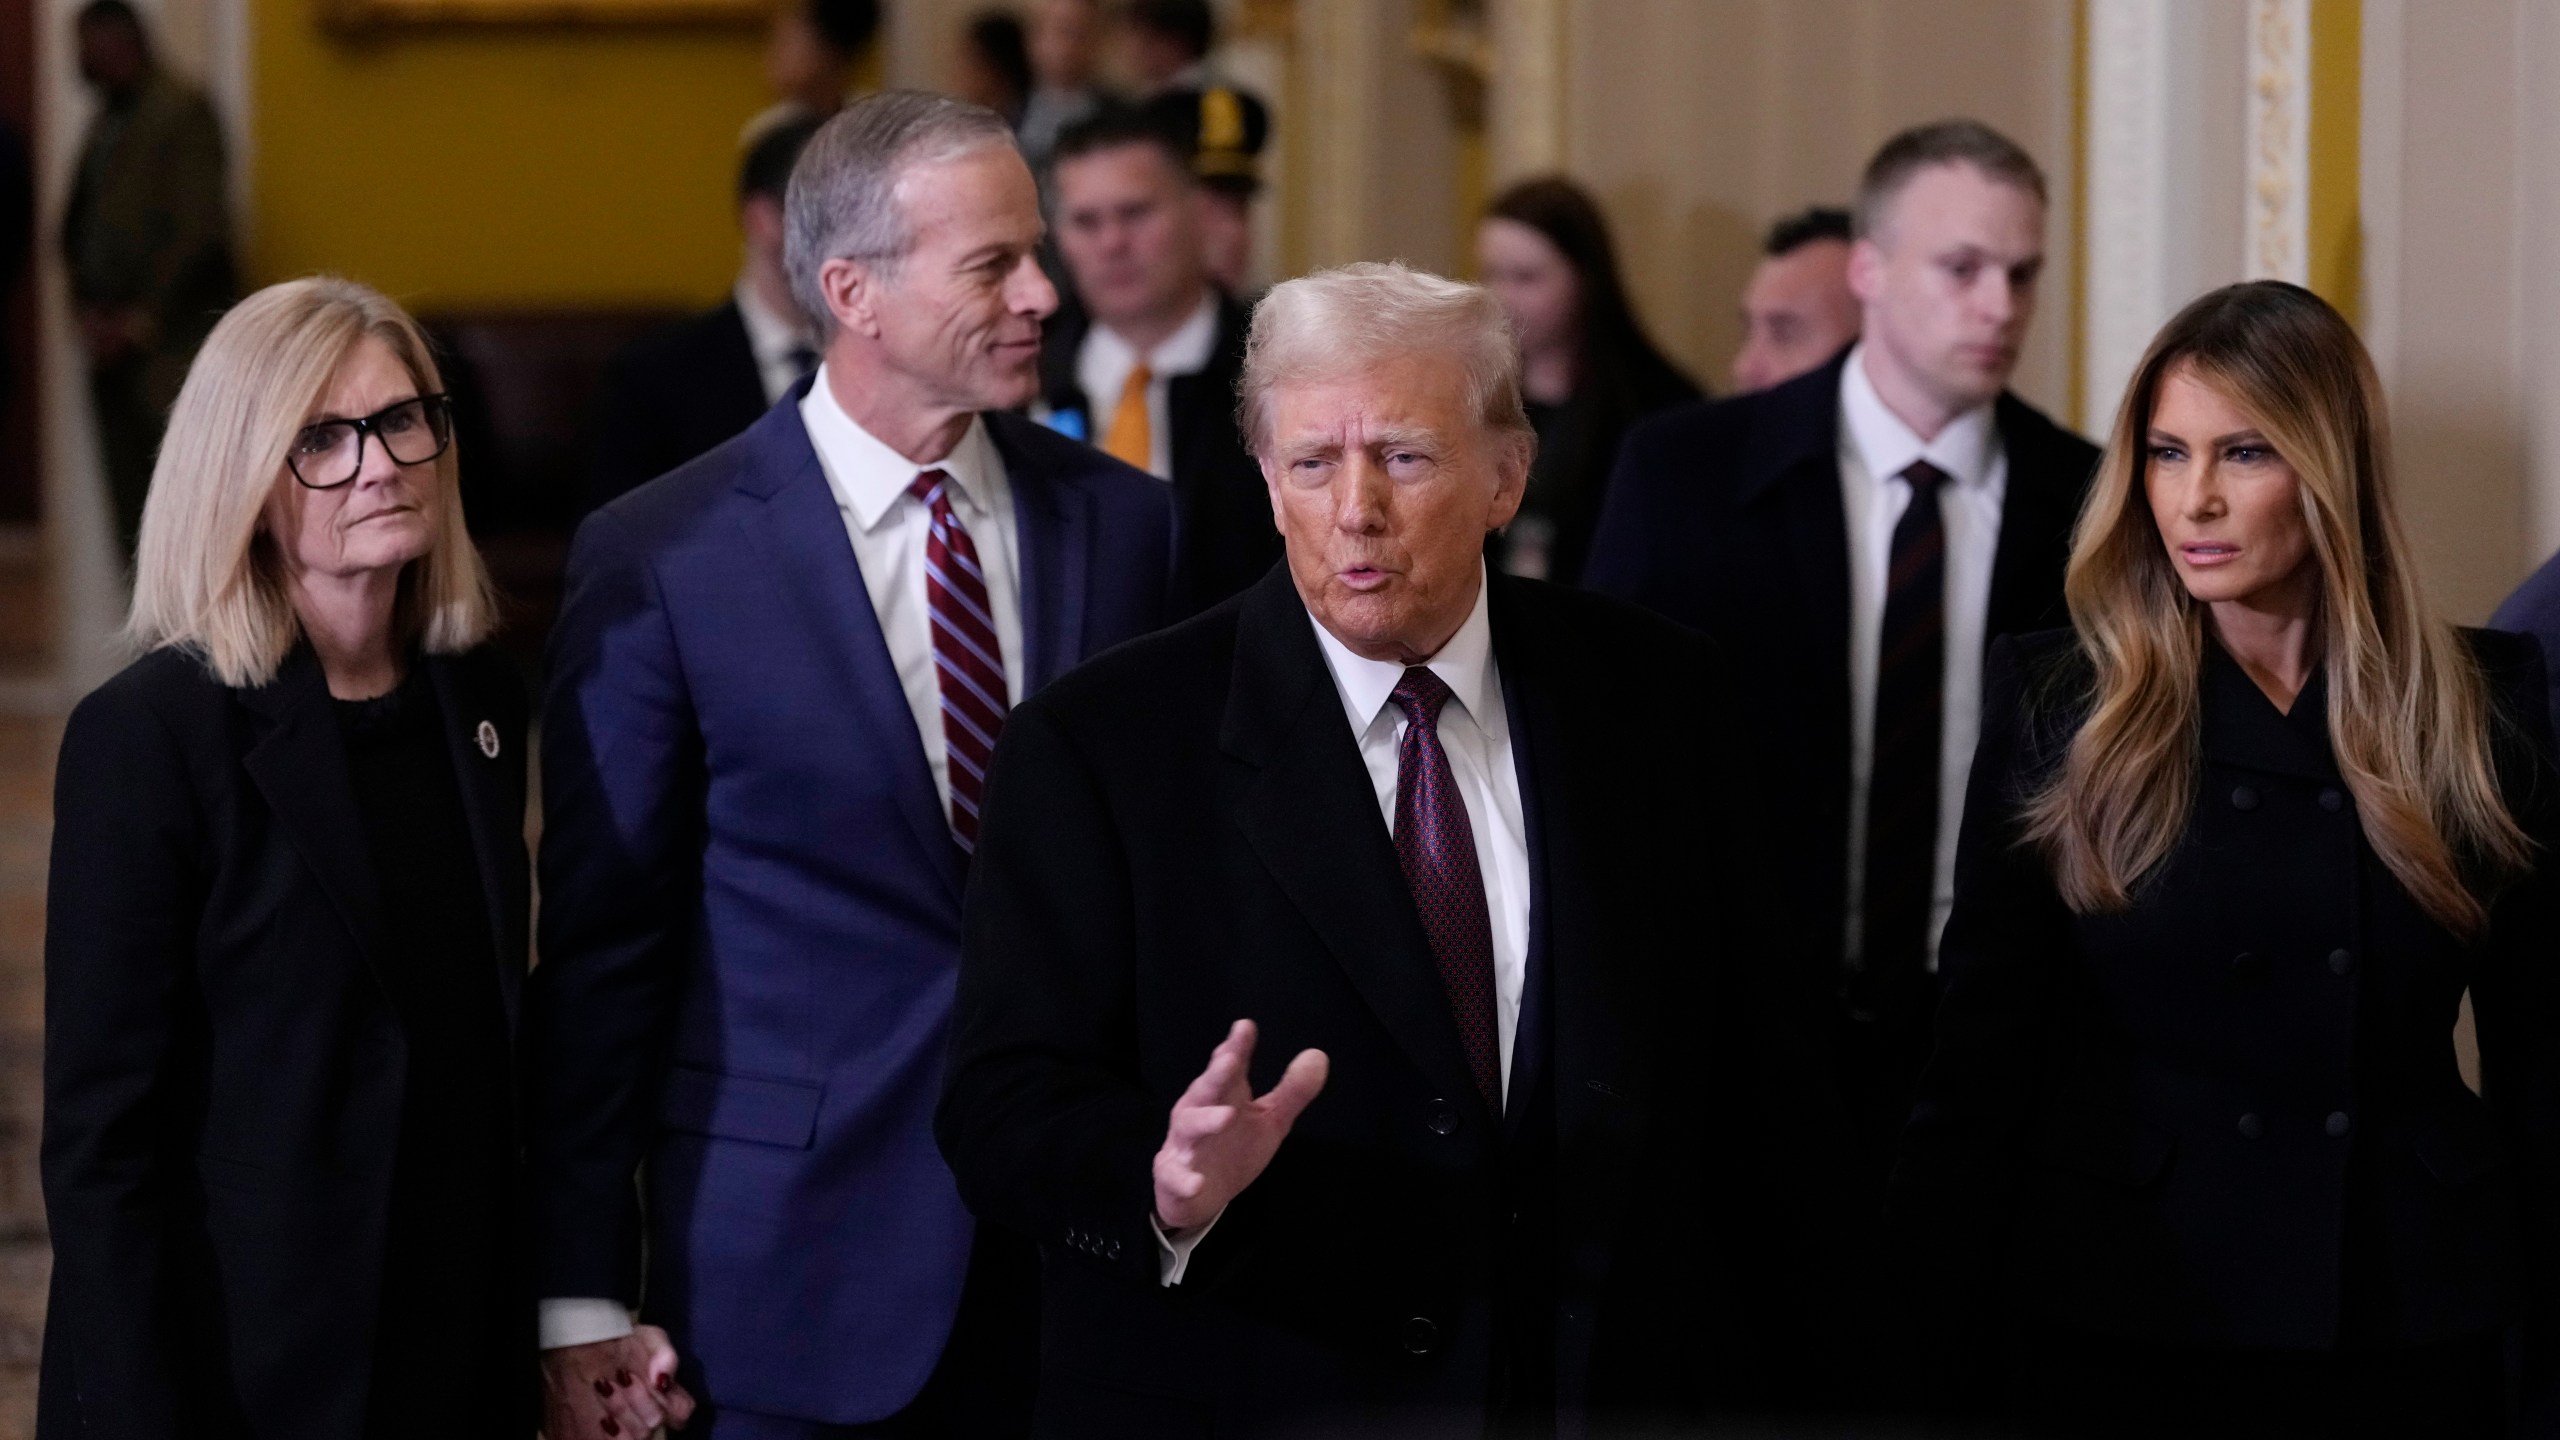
(287, 924)
(2194, 1155)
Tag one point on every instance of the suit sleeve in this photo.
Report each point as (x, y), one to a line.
(1044, 1118)
(125, 896)
(2516, 1006)
(622, 787)
(1957, 1168)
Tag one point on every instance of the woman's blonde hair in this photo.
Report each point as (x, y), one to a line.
(2409, 711)
(207, 576)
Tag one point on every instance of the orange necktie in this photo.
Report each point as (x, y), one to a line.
(1129, 439)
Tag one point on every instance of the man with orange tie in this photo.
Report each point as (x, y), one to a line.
(1144, 363)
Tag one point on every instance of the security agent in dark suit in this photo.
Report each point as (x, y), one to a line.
(1507, 1118)
(1855, 538)
(676, 394)
(1144, 364)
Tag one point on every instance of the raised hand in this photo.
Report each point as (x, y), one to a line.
(623, 1388)
(1220, 1137)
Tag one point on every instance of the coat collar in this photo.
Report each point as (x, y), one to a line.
(2241, 726)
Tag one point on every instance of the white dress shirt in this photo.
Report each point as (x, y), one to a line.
(887, 527)
(1475, 733)
(1103, 364)
(777, 341)
(1875, 448)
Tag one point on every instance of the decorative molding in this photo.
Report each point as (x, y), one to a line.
(2279, 141)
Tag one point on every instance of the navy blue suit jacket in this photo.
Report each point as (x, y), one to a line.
(2534, 609)
(750, 921)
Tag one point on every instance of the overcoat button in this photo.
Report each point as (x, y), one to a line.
(2341, 961)
(2333, 800)
(2338, 1124)
(1442, 1117)
(2244, 798)
(2247, 968)
(1420, 1336)
(2251, 1127)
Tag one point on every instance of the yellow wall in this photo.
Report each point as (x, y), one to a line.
(2334, 238)
(500, 168)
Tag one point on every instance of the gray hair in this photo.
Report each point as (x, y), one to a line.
(1339, 322)
(842, 203)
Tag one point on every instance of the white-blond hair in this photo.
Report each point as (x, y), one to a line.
(1337, 323)
(207, 576)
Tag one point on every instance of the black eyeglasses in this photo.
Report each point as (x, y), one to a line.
(330, 454)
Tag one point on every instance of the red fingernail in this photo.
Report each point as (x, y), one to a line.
(610, 1428)
(621, 1377)
(666, 1383)
(604, 1390)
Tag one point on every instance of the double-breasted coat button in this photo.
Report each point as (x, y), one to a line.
(2338, 1124)
(2247, 968)
(1421, 1337)
(2244, 797)
(2341, 961)
(2333, 800)
(2251, 1127)
(1442, 1117)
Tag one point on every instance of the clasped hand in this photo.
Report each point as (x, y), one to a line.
(1219, 1137)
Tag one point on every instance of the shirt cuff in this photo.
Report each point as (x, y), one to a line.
(1173, 1255)
(582, 1321)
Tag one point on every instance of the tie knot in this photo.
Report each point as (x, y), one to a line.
(1923, 477)
(928, 487)
(1420, 694)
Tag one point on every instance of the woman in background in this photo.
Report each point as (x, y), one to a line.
(1588, 371)
(2194, 1141)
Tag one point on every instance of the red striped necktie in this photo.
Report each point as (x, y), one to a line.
(968, 661)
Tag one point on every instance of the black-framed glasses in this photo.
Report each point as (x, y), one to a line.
(330, 454)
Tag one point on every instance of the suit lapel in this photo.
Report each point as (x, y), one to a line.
(1313, 820)
(801, 534)
(300, 766)
(1053, 530)
(494, 810)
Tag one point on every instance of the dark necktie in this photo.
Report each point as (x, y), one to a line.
(967, 660)
(1437, 848)
(1902, 789)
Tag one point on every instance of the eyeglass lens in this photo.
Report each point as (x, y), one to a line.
(330, 453)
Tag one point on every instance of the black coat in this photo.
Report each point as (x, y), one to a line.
(1182, 833)
(224, 1064)
(1726, 516)
(1224, 533)
(670, 397)
(2230, 1115)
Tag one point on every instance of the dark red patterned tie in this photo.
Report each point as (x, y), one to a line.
(1438, 850)
(1902, 788)
(967, 658)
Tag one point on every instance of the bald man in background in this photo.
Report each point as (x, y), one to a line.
(1798, 311)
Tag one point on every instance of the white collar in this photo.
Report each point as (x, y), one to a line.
(1465, 665)
(770, 336)
(1184, 352)
(1963, 449)
(869, 477)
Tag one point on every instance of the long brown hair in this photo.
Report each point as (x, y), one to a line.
(2409, 711)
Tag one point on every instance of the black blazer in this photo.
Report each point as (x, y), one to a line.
(1725, 516)
(670, 397)
(1182, 833)
(223, 1067)
(2230, 1115)
(1225, 537)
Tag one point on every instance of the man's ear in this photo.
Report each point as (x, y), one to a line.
(1511, 467)
(851, 289)
(1866, 270)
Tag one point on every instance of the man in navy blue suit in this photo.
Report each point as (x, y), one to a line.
(776, 681)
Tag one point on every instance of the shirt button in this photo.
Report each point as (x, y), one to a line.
(1420, 1336)
(2244, 797)
(2341, 961)
(2333, 800)
(2338, 1124)
(2251, 1127)
(1442, 1117)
